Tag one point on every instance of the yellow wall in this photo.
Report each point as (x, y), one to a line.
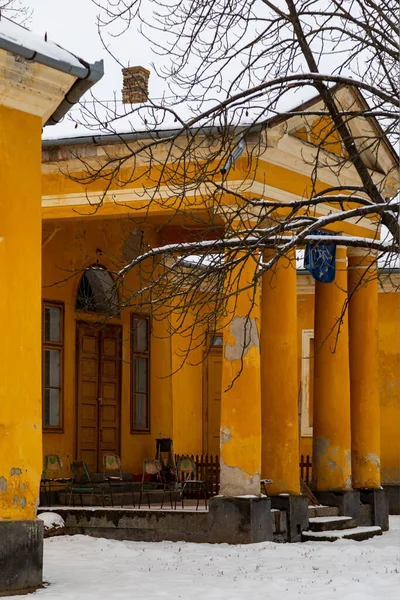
(20, 356)
(187, 391)
(389, 385)
(74, 246)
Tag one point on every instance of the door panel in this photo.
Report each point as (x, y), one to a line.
(213, 413)
(88, 369)
(110, 390)
(99, 393)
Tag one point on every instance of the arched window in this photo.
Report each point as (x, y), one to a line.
(97, 292)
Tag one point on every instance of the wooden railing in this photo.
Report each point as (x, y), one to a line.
(305, 469)
(208, 470)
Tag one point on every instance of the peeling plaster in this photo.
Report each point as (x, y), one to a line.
(20, 500)
(331, 464)
(15, 471)
(245, 333)
(236, 482)
(3, 485)
(226, 435)
(373, 458)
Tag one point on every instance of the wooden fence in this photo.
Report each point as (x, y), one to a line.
(208, 470)
(305, 469)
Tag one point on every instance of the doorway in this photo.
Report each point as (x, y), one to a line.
(98, 392)
(212, 412)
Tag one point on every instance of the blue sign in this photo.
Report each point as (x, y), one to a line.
(320, 259)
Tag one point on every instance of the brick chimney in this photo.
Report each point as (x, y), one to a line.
(135, 85)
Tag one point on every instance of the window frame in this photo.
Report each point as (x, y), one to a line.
(49, 345)
(305, 425)
(147, 355)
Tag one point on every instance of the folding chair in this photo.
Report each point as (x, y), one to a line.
(187, 480)
(82, 484)
(264, 483)
(152, 467)
(52, 474)
(112, 474)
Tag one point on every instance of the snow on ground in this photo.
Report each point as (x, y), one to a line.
(80, 567)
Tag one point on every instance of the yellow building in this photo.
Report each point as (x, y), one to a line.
(119, 383)
(115, 384)
(38, 83)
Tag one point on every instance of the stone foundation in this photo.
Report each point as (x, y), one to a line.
(378, 501)
(348, 502)
(229, 520)
(296, 509)
(21, 556)
(393, 492)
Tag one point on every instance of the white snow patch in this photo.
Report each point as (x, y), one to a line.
(51, 520)
(327, 519)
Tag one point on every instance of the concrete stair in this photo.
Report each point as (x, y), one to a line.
(326, 526)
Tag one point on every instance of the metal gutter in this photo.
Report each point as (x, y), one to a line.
(94, 72)
(109, 138)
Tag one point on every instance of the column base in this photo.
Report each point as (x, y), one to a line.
(296, 508)
(378, 500)
(21, 556)
(238, 520)
(348, 502)
(393, 493)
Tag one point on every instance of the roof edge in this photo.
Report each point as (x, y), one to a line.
(94, 72)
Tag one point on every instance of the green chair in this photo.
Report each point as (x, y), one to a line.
(82, 484)
(112, 474)
(188, 483)
(53, 476)
(156, 482)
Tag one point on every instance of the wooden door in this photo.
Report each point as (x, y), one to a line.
(98, 393)
(109, 391)
(213, 401)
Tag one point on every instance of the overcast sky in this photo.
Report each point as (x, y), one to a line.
(72, 25)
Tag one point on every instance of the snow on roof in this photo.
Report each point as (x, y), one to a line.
(18, 40)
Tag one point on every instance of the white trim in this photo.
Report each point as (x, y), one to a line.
(306, 336)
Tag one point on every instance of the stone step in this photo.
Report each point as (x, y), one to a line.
(357, 533)
(331, 523)
(322, 511)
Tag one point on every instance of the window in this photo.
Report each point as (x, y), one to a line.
(97, 292)
(216, 341)
(53, 320)
(140, 374)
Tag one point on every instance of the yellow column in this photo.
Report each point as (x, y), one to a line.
(20, 314)
(331, 422)
(279, 378)
(363, 344)
(241, 397)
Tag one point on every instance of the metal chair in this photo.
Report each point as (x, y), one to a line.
(112, 474)
(264, 483)
(53, 474)
(187, 480)
(82, 484)
(152, 467)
